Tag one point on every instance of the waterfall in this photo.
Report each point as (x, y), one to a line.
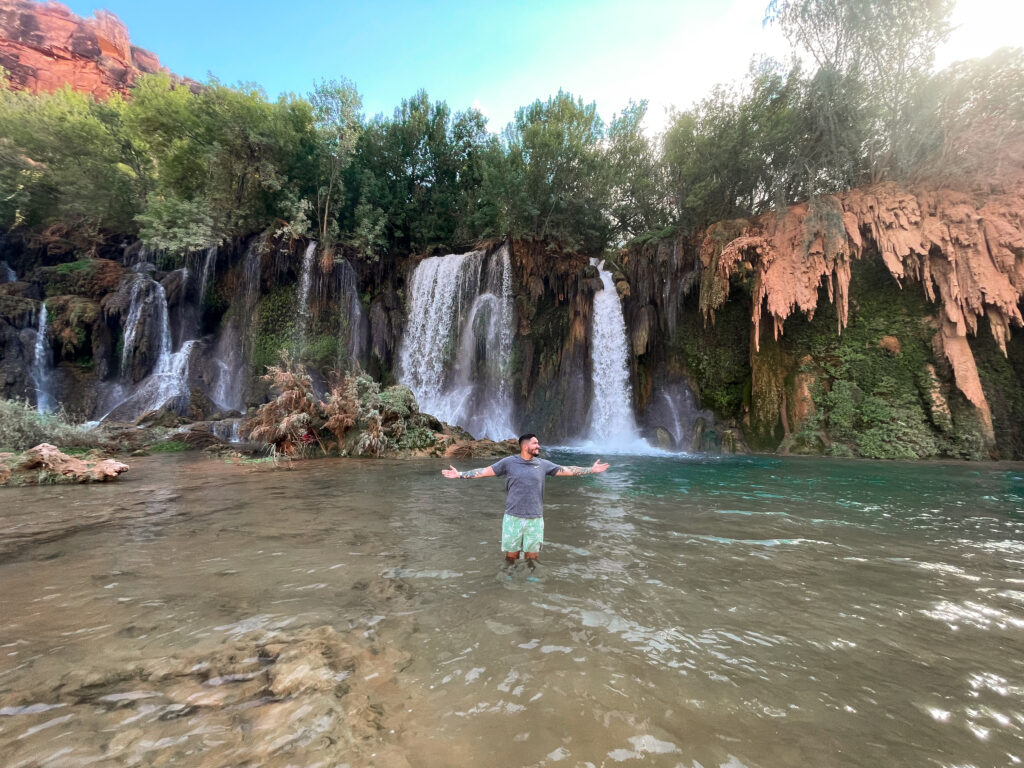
(305, 284)
(147, 297)
(251, 272)
(232, 346)
(209, 262)
(612, 424)
(41, 365)
(7, 275)
(351, 322)
(229, 362)
(167, 383)
(457, 348)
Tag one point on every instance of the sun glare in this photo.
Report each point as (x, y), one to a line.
(980, 27)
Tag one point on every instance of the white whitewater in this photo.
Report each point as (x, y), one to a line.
(612, 426)
(305, 285)
(167, 384)
(232, 347)
(142, 296)
(41, 365)
(457, 348)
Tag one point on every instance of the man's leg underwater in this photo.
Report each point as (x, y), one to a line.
(511, 539)
(533, 537)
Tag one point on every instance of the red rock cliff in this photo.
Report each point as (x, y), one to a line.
(967, 252)
(44, 46)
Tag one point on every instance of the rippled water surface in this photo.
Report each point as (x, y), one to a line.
(712, 612)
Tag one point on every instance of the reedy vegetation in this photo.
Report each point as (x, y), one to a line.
(355, 419)
(183, 171)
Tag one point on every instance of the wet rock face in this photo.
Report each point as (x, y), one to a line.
(18, 316)
(44, 46)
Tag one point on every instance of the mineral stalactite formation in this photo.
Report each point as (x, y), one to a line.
(967, 253)
(44, 46)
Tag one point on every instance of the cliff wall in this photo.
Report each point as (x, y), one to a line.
(897, 304)
(44, 46)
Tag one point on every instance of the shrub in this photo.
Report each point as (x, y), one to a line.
(21, 428)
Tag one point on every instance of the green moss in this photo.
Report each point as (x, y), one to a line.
(70, 278)
(717, 357)
(1001, 378)
(171, 446)
(321, 351)
(74, 266)
(871, 401)
(653, 236)
(276, 327)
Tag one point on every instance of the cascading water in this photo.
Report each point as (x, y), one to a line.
(167, 383)
(7, 275)
(305, 285)
(612, 424)
(350, 331)
(457, 348)
(209, 262)
(233, 344)
(139, 306)
(41, 366)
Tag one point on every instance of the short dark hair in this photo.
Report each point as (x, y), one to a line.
(526, 438)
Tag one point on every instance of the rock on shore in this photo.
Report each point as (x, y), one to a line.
(45, 464)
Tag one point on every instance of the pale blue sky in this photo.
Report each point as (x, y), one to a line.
(496, 56)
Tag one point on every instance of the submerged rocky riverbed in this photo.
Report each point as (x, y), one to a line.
(738, 611)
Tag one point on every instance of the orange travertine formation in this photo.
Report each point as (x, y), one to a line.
(967, 253)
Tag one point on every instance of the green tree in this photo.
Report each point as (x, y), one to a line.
(229, 156)
(555, 175)
(421, 168)
(67, 160)
(338, 120)
(887, 45)
(637, 181)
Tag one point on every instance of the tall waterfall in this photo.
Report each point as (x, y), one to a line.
(305, 285)
(233, 346)
(209, 263)
(351, 321)
(457, 348)
(167, 383)
(41, 365)
(612, 423)
(7, 275)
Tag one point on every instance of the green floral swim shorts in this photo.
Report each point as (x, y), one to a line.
(521, 533)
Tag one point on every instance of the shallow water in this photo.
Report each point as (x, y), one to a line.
(713, 612)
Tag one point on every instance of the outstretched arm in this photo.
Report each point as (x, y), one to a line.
(599, 466)
(452, 473)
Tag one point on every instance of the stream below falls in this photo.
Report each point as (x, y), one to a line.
(689, 611)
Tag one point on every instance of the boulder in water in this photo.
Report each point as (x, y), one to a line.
(165, 417)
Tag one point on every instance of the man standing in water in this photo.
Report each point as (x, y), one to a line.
(522, 528)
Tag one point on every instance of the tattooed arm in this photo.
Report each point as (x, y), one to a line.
(599, 466)
(452, 473)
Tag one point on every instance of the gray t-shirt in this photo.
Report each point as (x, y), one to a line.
(524, 484)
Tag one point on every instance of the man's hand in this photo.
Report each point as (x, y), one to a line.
(599, 466)
(452, 473)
